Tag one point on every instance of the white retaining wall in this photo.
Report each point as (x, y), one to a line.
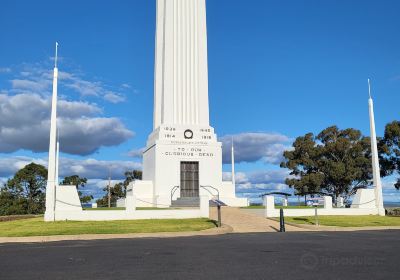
(70, 211)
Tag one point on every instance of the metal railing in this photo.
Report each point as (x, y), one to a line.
(173, 190)
(211, 187)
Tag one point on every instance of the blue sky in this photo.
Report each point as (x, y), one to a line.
(276, 68)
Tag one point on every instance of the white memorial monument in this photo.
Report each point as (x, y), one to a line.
(52, 175)
(183, 158)
(371, 198)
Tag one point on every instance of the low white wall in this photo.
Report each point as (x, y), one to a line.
(143, 191)
(121, 202)
(67, 198)
(132, 214)
(236, 201)
(227, 194)
(272, 212)
(364, 198)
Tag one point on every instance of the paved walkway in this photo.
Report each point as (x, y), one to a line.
(241, 221)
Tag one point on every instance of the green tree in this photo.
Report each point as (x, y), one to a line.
(390, 151)
(334, 162)
(25, 192)
(11, 204)
(131, 176)
(116, 192)
(119, 190)
(79, 182)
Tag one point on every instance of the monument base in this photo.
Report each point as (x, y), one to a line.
(183, 161)
(143, 191)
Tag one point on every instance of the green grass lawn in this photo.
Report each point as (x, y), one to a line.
(298, 207)
(103, 209)
(37, 227)
(253, 207)
(123, 208)
(347, 221)
(278, 207)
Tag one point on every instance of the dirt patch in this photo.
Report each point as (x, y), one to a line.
(16, 217)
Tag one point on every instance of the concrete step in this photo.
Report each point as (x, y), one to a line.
(186, 202)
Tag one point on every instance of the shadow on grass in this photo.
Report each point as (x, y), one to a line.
(303, 220)
(213, 222)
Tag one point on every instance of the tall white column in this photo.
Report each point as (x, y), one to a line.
(181, 66)
(233, 165)
(375, 157)
(51, 176)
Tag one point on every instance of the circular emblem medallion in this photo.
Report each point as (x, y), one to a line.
(188, 134)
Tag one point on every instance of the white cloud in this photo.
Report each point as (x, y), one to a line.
(31, 86)
(95, 169)
(3, 181)
(138, 153)
(128, 86)
(76, 109)
(9, 166)
(88, 168)
(114, 97)
(5, 70)
(24, 124)
(90, 88)
(253, 184)
(253, 147)
(36, 79)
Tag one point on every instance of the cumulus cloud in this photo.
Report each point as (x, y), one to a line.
(252, 147)
(97, 169)
(36, 79)
(5, 70)
(25, 124)
(9, 166)
(253, 184)
(28, 85)
(88, 168)
(114, 97)
(3, 181)
(136, 153)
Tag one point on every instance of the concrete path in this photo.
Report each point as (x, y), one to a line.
(242, 221)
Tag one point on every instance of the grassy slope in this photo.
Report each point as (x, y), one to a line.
(347, 221)
(37, 227)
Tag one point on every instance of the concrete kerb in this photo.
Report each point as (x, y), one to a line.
(335, 228)
(54, 238)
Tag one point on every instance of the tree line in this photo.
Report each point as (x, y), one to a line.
(338, 162)
(25, 192)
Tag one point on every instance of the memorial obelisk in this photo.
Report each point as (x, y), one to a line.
(182, 151)
(375, 157)
(52, 168)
